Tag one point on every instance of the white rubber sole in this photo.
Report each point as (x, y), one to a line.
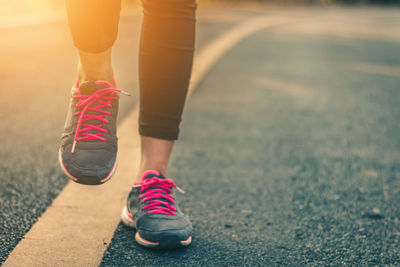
(130, 222)
(126, 219)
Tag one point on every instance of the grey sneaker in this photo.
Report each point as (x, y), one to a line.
(88, 149)
(151, 208)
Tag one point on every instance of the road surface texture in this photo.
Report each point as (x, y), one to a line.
(289, 152)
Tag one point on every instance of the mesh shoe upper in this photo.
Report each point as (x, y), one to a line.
(152, 204)
(89, 143)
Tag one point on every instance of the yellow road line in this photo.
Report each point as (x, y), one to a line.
(79, 225)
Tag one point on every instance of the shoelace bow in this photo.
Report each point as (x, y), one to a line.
(103, 97)
(157, 193)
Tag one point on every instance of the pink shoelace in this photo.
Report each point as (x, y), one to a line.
(159, 198)
(102, 98)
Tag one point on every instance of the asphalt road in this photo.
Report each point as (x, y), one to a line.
(289, 153)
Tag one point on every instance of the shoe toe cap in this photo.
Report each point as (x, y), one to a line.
(159, 227)
(89, 166)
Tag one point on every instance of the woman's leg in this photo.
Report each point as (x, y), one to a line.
(88, 146)
(165, 62)
(94, 29)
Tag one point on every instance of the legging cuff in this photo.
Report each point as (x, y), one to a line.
(160, 132)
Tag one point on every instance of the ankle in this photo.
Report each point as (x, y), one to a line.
(155, 155)
(85, 75)
(94, 67)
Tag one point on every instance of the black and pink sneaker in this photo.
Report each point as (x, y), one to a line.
(151, 208)
(88, 150)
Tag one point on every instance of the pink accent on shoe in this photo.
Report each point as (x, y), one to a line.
(103, 97)
(145, 242)
(129, 215)
(65, 169)
(187, 241)
(150, 172)
(110, 174)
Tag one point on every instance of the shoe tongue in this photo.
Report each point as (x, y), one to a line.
(89, 87)
(156, 174)
(151, 174)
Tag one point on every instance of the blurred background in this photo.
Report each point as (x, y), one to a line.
(299, 120)
(37, 7)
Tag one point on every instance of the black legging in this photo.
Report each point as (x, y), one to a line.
(165, 55)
